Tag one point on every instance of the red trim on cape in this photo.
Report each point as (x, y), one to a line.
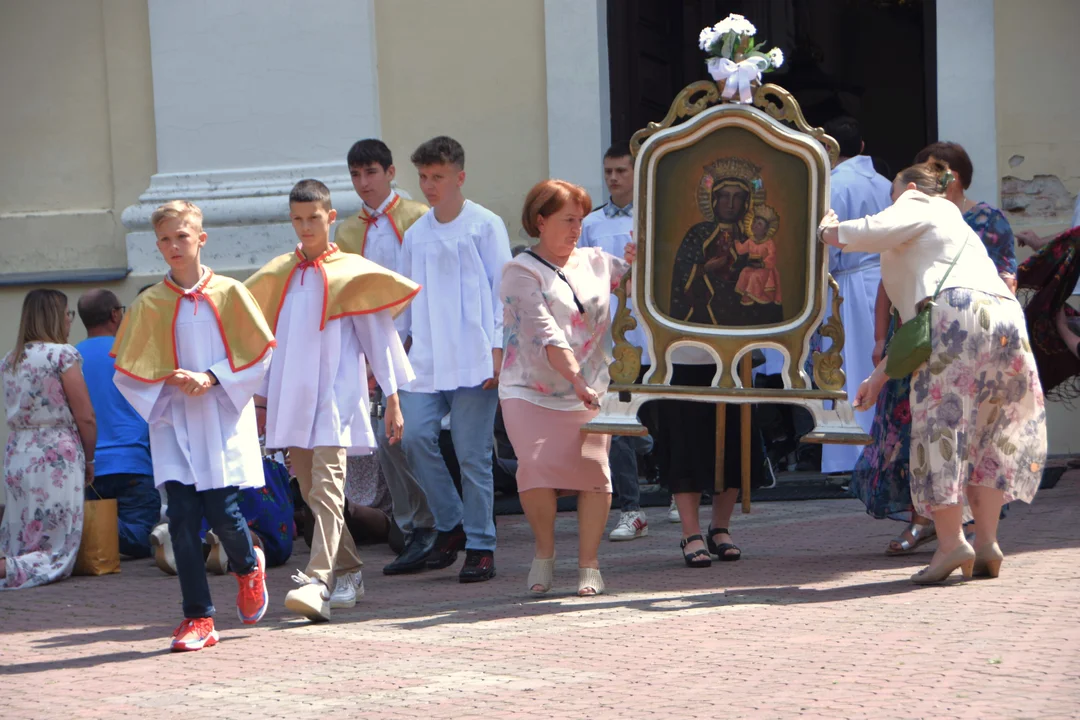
(221, 331)
(385, 214)
(333, 248)
(387, 306)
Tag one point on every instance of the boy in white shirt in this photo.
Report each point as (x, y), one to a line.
(333, 316)
(456, 252)
(377, 232)
(610, 228)
(190, 354)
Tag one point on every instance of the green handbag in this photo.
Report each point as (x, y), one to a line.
(910, 345)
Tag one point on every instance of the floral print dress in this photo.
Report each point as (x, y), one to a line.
(882, 475)
(44, 469)
(978, 416)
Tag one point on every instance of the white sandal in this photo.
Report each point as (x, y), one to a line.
(541, 574)
(589, 579)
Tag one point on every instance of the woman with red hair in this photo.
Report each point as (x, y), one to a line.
(555, 370)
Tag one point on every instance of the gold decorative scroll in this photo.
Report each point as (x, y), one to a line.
(829, 365)
(627, 365)
(777, 102)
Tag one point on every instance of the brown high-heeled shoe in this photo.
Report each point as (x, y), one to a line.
(988, 561)
(963, 557)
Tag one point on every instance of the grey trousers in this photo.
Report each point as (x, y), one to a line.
(411, 511)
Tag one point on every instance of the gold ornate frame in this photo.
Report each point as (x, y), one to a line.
(776, 118)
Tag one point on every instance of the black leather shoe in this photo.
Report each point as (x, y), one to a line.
(447, 547)
(479, 566)
(414, 556)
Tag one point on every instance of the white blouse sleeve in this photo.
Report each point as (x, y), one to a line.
(495, 253)
(385, 354)
(148, 399)
(893, 226)
(238, 387)
(403, 322)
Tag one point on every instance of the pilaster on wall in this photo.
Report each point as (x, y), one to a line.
(578, 95)
(239, 121)
(966, 90)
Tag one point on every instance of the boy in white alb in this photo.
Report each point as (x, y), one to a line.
(333, 316)
(456, 252)
(610, 228)
(190, 355)
(377, 232)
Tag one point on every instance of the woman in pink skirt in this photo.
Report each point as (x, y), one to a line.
(555, 370)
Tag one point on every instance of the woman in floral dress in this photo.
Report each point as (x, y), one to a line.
(978, 418)
(50, 449)
(881, 478)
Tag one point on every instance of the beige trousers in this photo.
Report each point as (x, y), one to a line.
(321, 475)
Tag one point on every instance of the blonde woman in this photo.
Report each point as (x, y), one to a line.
(50, 449)
(978, 421)
(555, 370)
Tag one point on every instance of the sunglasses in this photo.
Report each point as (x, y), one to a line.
(70, 314)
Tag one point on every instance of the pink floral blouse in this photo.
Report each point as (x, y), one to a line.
(539, 310)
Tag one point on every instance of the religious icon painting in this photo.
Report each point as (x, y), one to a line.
(729, 202)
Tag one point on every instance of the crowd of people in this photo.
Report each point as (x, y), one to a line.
(378, 358)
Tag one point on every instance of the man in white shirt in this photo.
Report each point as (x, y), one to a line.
(857, 191)
(610, 228)
(377, 232)
(456, 252)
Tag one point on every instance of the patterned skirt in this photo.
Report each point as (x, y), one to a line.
(977, 410)
(882, 475)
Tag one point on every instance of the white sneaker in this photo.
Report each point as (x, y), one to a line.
(632, 524)
(311, 599)
(673, 512)
(161, 544)
(347, 588)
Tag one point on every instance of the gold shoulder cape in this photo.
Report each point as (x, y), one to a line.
(145, 345)
(351, 234)
(352, 285)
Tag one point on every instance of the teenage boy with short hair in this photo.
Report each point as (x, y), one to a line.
(376, 232)
(610, 228)
(332, 313)
(456, 252)
(190, 354)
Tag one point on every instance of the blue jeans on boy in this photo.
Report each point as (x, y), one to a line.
(220, 507)
(138, 508)
(472, 427)
(624, 469)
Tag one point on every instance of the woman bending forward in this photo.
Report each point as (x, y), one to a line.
(978, 423)
(555, 369)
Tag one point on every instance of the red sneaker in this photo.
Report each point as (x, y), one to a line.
(194, 634)
(253, 598)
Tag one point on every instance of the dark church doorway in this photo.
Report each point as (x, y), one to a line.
(873, 59)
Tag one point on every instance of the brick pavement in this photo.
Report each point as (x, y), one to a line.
(814, 622)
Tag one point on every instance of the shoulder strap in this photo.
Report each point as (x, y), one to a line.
(951, 266)
(561, 275)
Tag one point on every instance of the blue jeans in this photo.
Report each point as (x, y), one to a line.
(138, 508)
(220, 507)
(472, 427)
(624, 469)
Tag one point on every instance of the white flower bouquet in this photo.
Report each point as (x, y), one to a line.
(736, 59)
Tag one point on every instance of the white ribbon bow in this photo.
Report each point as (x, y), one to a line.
(737, 77)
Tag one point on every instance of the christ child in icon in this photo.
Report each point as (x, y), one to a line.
(759, 280)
